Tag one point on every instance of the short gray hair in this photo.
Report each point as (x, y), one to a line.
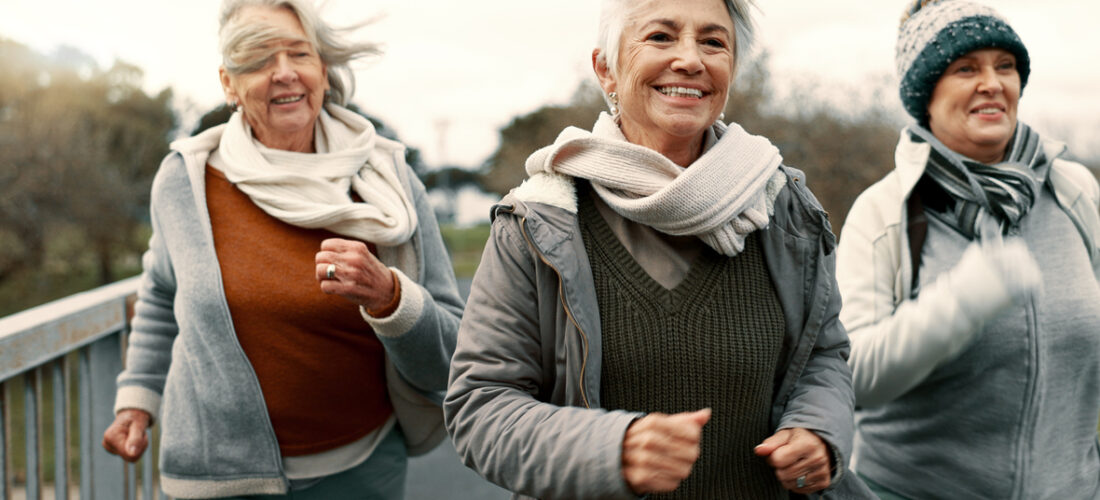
(616, 14)
(245, 47)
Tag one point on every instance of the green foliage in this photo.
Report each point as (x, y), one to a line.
(67, 268)
(79, 146)
(465, 245)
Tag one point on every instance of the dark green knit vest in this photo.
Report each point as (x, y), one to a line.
(713, 341)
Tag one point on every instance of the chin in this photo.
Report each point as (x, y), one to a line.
(692, 127)
(295, 125)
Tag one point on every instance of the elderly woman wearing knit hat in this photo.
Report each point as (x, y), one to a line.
(655, 311)
(297, 310)
(970, 283)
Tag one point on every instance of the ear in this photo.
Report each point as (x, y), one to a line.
(603, 74)
(227, 86)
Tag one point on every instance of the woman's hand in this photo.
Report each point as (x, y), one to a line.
(126, 435)
(357, 274)
(659, 450)
(800, 459)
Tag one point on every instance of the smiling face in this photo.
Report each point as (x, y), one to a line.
(282, 98)
(973, 107)
(675, 63)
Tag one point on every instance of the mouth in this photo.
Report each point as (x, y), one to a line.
(988, 109)
(677, 91)
(288, 99)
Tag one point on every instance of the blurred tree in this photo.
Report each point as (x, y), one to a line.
(81, 145)
(842, 151)
(504, 170)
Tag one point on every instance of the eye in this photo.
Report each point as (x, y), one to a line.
(659, 37)
(1006, 65)
(715, 42)
(964, 68)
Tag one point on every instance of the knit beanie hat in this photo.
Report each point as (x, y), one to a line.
(934, 33)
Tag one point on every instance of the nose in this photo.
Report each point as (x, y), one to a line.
(989, 81)
(688, 59)
(283, 71)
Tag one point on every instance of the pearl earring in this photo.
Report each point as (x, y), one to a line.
(613, 98)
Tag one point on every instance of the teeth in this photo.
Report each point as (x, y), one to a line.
(680, 92)
(988, 111)
(285, 100)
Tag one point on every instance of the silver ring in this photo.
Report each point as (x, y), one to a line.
(330, 271)
(800, 482)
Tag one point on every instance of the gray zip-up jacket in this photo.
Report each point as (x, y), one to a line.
(185, 366)
(523, 407)
(929, 370)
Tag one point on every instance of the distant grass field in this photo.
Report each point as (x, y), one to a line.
(465, 245)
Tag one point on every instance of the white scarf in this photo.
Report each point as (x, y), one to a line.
(721, 198)
(311, 190)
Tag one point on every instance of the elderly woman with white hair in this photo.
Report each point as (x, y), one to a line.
(297, 310)
(655, 311)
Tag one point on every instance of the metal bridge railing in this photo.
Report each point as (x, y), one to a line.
(65, 355)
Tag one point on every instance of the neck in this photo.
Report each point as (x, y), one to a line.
(301, 142)
(991, 158)
(988, 156)
(679, 150)
(295, 144)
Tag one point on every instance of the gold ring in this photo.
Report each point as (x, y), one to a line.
(330, 271)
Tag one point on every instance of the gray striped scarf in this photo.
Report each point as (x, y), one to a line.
(1005, 191)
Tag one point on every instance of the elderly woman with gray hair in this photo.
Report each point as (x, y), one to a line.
(655, 311)
(297, 311)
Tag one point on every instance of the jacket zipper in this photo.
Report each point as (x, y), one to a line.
(565, 305)
(1031, 413)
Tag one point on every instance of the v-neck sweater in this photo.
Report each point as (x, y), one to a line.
(713, 341)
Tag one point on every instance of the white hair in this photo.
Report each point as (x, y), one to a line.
(615, 15)
(246, 47)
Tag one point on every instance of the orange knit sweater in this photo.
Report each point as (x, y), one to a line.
(319, 364)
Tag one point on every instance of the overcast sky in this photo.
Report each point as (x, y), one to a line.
(470, 66)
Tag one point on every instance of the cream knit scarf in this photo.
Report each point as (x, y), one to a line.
(312, 190)
(721, 197)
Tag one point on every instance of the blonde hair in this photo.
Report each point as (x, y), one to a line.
(246, 47)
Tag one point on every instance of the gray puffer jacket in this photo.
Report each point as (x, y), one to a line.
(523, 406)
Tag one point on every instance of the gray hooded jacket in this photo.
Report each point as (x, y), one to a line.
(523, 406)
(184, 357)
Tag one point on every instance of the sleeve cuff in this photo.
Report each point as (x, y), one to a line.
(408, 311)
(136, 397)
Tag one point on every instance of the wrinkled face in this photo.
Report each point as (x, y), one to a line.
(283, 97)
(973, 107)
(676, 63)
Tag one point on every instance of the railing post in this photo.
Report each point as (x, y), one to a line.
(147, 468)
(30, 422)
(60, 429)
(5, 488)
(84, 412)
(106, 363)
